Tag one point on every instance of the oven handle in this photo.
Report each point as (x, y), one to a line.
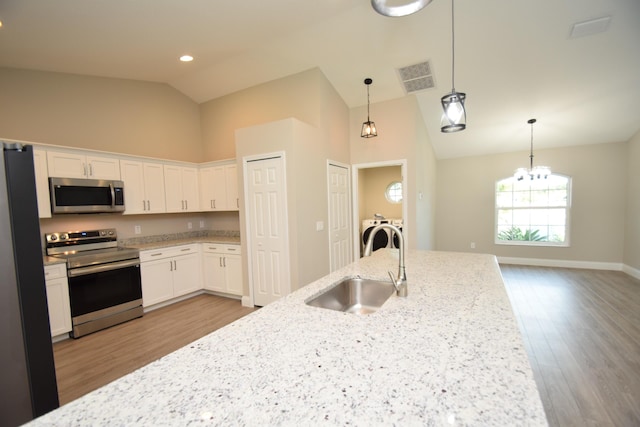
(83, 271)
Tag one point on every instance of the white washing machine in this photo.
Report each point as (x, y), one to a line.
(383, 238)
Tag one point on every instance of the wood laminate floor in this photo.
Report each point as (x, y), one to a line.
(94, 360)
(581, 330)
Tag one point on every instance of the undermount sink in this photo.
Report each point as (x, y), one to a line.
(354, 295)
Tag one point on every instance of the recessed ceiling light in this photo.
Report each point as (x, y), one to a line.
(186, 58)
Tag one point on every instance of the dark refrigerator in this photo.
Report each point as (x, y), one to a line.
(28, 386)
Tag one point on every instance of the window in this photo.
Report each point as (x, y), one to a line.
(393, 193)
(533, 212)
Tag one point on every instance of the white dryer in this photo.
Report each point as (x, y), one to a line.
(383, 238)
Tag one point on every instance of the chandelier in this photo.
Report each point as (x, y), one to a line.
(538, 172)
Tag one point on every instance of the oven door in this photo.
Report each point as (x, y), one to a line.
(102, 289)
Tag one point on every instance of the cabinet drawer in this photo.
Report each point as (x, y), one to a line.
(55, 271)
(223, 248)
(168, 252)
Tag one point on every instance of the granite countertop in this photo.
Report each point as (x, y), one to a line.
(158, 244)
(448, 354)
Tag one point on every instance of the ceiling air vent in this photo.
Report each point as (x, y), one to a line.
(416, 77)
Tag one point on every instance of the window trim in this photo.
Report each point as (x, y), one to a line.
(533, 243)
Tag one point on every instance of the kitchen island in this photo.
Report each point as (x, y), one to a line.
(448, 354)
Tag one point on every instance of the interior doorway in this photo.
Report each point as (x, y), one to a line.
(375, 197)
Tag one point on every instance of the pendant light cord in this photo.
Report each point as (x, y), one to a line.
(532, 121)
(368, 119)
(453, 51)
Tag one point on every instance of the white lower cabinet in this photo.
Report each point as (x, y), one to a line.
(222, 267)
(58, 299)
(169, 272)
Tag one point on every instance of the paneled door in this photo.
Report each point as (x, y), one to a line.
(267, 220)
(339, 218)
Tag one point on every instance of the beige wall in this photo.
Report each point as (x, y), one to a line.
(402, 135)
(307, 96)
(122, 116)
(375, 183)
(632, 228)
(465, 202)
(306, 175)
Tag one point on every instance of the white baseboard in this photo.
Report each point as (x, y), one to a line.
(539, 262)
(633, 272)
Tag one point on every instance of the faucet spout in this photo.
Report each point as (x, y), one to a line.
(400, 281)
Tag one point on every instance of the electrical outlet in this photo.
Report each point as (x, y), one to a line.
(137, 229)
(319, 225)
(189, 225)
(201, 224)
(473, 245)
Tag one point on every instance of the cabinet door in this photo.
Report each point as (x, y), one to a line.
(157, 281)
(154, 187)
(133, 177)
(206, 189)
(190, 191)
(214, 272)
(186, 274)
(42, 183)
(66, 165)
(99, 167)
(58, 304)
(231, 180)
(173, 188)
(219, 189)
(233, 270)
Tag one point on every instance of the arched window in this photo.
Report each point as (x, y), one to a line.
(533, 212)
(393, 193)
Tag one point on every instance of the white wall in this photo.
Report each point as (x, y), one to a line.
(466, 200)
(632, 223)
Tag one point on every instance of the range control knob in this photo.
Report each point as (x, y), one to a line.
(110, 232)
(103, 233)
(64, 236)
(53, 237)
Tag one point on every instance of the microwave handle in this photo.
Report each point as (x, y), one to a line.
(113, 195)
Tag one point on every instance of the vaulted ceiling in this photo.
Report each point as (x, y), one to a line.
(514, 59)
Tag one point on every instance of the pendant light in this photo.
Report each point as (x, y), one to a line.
(538, 172)
(454, 117)
(383, 7)
(368, 128)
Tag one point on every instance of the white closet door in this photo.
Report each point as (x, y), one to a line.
(339, 218)
(267, 217)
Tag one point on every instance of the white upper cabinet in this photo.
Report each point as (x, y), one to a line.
(42, 182)
(143, 187)
(181, 188)
(219, 188)
(63, 164)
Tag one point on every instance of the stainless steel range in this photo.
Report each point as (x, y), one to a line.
(104, 279)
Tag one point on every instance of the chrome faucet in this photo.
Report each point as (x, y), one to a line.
(400, 281)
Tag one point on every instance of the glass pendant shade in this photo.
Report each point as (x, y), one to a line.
(368, 129)
(454, 117)
(395, 8)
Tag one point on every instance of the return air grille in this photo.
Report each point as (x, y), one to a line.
(416, 77)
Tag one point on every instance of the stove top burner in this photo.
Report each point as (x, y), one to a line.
(86, 248)
(97, 256)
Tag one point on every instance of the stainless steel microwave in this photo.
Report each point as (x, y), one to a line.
(73, 195)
